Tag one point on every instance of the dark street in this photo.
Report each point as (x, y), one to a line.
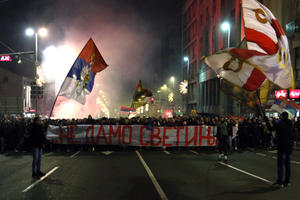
(155, 174)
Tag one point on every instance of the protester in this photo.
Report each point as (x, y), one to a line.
(2, 136)
(38, 139)
(266, 136)
(15, 132)
(223, 138)
(20, 133)
(297, 128)
(284, 131)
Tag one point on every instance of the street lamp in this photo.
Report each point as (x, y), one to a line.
(19, 60)
(42, 32)
(29, 31)
(185, 98)
(186, 59)
(172, 79)
(226, 27)
(164, 87)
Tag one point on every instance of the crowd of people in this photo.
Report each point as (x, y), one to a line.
(252, 132)
(20, 134)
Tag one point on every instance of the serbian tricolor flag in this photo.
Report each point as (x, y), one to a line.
(126, 110)
(266, 56)
(285, 105)
(80, 79)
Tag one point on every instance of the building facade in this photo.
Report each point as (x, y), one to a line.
(15, 93)
(202, 36)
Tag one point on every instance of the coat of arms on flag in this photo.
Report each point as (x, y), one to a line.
(80, 79)
(266, 57)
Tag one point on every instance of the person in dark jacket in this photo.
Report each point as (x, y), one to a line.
(2, 136)
(37, 140)
(284, 130)
(297, 127)
(223, 139)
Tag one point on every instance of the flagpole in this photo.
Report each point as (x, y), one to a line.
(261, 109)
(132, 102)
(132, 106)
(65, 79)
(130, 109)
(58, 93)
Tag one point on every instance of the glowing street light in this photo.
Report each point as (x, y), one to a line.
(19, 60)
(187, 60)
(225, 26)
(29, 31)
(164, 87)
(41, 32)
(172, 79)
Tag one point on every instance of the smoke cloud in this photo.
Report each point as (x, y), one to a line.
(127, 41)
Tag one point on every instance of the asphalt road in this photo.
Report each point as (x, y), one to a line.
(146, 174)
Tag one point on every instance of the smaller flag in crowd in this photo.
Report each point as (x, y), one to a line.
(126, 110)
(286, 105)
(80, 79)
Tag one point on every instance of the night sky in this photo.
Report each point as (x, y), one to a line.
(138, 39)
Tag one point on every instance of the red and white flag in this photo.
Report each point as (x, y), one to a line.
(267, 54)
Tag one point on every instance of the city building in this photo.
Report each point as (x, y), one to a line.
(202, 36)
(15, 93)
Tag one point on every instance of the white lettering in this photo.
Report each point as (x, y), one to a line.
(295, 94)
(5, 58)
(281, 93)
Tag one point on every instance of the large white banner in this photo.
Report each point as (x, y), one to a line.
(133, 135)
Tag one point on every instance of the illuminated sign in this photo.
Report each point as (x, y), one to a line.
(168, 114)
(5, 58)
(294, 94)
(281, 94)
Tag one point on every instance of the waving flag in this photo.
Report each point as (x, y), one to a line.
(265, 35)
(230, 65)
(286, 105)
(126, 110)
(266, 57)
(141, 93)
(80, 79)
